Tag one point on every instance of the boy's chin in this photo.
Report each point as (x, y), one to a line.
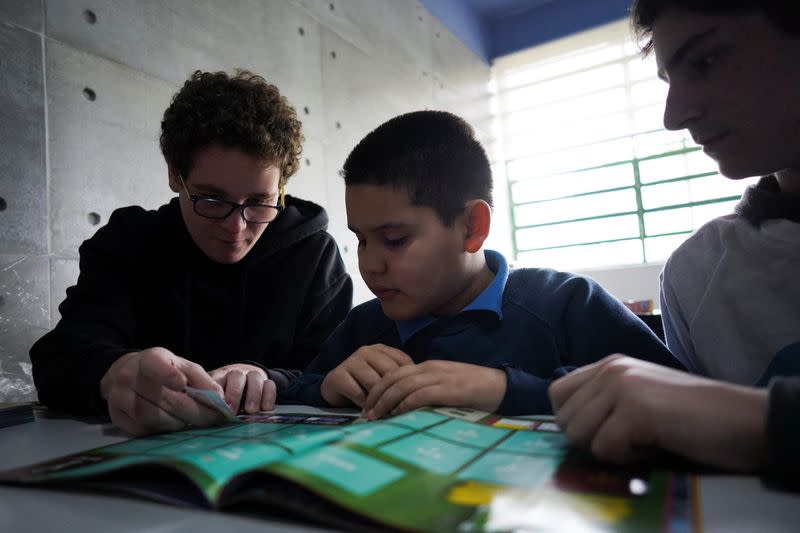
(397, 312)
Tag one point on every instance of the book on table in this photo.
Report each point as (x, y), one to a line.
(13, 413)
(434, 469)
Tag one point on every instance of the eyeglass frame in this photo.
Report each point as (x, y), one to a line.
(194, 198)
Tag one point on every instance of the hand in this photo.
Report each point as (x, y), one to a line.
(349, 383)
(436, 383)
(622, 408)
(145, 392)
(237, 378)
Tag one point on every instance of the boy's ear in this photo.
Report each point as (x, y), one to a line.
(174, 182)
(477, 222)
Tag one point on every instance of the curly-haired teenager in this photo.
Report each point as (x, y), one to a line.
(231, 286)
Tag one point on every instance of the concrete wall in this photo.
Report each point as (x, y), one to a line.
(83, 85)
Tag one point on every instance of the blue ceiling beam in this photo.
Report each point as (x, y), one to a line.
(551, 21)
(495, 28)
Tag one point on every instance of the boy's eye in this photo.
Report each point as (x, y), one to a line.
(702, 63)
(395, 243)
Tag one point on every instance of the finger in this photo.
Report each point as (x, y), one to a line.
(268, 394)
(348, 386)
(562, 389)
(387, 381)
(397, 392)
(255, 386)
(398, 356)
(178, 405)
(234, 386)
(585, 412)
(219, 374)
(382, 363)
(621, 440)
(364, 373)
(582, 398)
(196, 375)
(159, 367)
(140, 415)
(422, 397)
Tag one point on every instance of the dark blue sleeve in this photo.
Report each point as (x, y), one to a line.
(526, 394)
(591, 324)
(305, 389)
(596, 325)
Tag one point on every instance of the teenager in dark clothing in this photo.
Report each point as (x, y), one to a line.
(452, 324)
(734, 77)
(231, 277)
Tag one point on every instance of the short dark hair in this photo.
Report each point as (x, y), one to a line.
(644, 13)
(242, 111)
(433, 155)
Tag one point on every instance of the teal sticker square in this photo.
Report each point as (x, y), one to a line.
(417, 419)
(532, 442)
(375, 433)
(466, 433)
(223, 463)
(250, 430)
(429, 453)
(511, 469)
(298, 429)
(300, 438)
(196, 444)
(348, 469)
(138, 446)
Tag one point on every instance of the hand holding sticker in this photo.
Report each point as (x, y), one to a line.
(211, 399)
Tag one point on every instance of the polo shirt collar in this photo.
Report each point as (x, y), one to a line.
(491, 299)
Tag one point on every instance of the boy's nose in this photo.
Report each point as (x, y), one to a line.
(682, 108)
(234, 223)
(371, 262)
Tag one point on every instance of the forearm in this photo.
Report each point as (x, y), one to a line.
(305, 390)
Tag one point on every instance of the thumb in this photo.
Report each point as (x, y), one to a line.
(196, 376)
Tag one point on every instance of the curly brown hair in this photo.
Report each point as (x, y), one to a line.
(242, 111)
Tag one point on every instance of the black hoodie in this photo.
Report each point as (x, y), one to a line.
(144, 283)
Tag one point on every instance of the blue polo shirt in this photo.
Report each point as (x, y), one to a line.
(535, 324)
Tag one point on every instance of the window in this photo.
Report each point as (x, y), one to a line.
(594, 179)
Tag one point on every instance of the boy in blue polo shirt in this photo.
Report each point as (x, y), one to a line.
(452, 325)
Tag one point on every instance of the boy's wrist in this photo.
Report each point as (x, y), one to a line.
(494, 390)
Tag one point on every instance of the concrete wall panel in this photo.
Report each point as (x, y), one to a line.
(24, 317)
(23, 191)
(389, 31)
(63, 274)
(310, 182)
(361, 91)
(103, 141)
(25, 13)
(335, 154)
(169, 39)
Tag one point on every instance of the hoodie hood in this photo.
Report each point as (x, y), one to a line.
(764, 201)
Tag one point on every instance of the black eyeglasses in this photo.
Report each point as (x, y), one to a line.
(219, 209)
